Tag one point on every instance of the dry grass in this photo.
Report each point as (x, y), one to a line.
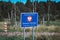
(41, 28)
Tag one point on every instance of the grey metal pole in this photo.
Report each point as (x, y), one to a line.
(33, 27)
(24, 33)
(33, 33)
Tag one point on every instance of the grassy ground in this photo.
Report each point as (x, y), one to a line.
(30, 38)
(54, 27)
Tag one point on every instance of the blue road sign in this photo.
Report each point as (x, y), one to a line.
(29, 19)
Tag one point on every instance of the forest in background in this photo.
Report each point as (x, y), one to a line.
(41, 7)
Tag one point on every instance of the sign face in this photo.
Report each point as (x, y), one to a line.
(29, 19)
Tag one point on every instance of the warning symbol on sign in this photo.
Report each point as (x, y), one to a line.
(29, 18)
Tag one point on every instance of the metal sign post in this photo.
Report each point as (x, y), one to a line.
(24, 33)
(33, 33)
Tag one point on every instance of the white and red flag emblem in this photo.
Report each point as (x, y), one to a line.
(29, 18)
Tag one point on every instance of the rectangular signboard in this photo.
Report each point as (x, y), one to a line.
(29, 19)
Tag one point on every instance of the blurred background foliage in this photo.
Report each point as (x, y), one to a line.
(41, 8)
